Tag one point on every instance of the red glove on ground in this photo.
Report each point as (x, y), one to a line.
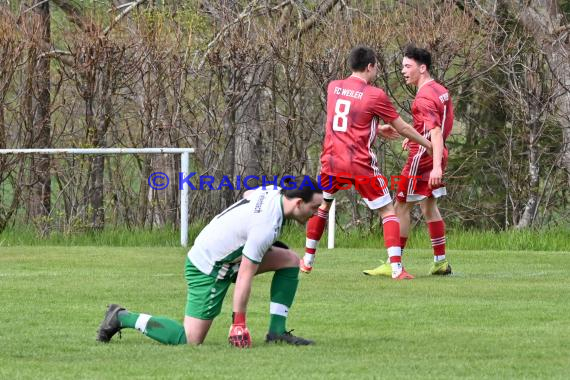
(239, 334)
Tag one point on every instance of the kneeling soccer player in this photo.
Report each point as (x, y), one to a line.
(236, 245)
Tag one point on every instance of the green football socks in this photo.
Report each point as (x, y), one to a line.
(161, 329)
(283, 289)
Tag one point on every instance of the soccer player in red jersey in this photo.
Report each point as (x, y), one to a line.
(354, 110)
(432, 111)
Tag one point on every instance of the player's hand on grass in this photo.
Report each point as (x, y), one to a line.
(435, 177)
(239, 334)
(388, 132)
(406, 144)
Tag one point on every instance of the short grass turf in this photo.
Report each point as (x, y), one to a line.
(502, 315)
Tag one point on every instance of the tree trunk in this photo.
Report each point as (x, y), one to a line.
(96, 195)
(228, 158)
(4, 173)
(2, 138)
(144, 196)
(544, 20)
(41, 121)
(166, 162)
(248, 154)
(529, 212)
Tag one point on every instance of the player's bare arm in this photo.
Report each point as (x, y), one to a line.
(406, 130)
(239, 335)
(388, 132)
(437, 144)
(247, 270)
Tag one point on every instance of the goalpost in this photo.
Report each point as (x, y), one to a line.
(332, 212)
(184, 168)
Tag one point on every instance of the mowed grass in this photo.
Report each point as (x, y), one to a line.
(503, 315)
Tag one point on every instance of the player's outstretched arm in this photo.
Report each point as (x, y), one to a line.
(387, 131)
(406, 130)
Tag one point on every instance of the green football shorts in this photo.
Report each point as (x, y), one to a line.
(205, 293)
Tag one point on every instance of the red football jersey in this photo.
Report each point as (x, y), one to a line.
(353, 111)
(432, 108)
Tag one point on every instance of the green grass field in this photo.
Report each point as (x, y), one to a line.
(503, 315)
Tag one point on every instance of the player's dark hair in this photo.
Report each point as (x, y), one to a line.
(302, 187)
(360, 57)
(421, 56)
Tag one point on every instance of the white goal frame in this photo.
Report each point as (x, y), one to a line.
(184, 168)
(332, 217)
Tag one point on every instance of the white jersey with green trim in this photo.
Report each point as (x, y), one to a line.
(248, 227)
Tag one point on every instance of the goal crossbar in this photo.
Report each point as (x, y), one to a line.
(184, 167)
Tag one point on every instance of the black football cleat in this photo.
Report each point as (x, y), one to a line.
(288, 338)
(110, 325)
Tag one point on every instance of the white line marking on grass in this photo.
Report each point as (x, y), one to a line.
(31, 274)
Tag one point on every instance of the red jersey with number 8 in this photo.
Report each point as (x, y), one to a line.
(353, 111)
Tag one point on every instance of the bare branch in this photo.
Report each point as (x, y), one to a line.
(35, 6)
(324, 8)
(248, 12)
(133, 5)
(561, 29)
(54, 53)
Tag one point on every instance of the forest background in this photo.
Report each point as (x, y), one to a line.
(244, 83)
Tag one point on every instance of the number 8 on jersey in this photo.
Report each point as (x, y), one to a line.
(340, 120)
